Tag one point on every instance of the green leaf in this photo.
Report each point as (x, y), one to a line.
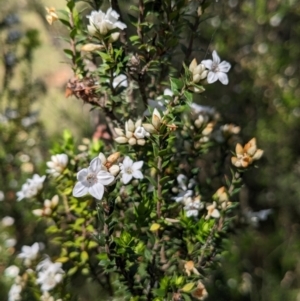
(65, 22)
(186, 297)
(151, 180)
(71, 5)
(163, 152)
(72, 271)
(134, 38)
(68, 53)
(188, 287)
(189, 96)
(164, 180)
(102, 256)
(62, 259)
(84, 256)
(176, 84)
(92, 244)
(73, 254)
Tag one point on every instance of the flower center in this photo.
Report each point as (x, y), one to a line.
(215, 67)
(91, 178)
(128, 170)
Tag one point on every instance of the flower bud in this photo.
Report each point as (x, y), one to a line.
(141, 142)
(208, 129)
(47, 203)
(113, 157)
(199, 121)
(47, 211)
(129, 134)
(193, 65)
(149, 128)
(119, 132)
(121, 140)
(138, 123)
(91, 47)
(114, 37)
(129, 126)
(54, 201)
(132, 141)
(156, 119)
(114, 170)
(37, 212)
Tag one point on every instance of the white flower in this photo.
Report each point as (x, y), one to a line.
(49, 274)
(29, 254)
(92, 180)
(120, 81)
(198, 109)
(160, 103)
(185, 186)
(104, 22)
(7, 221)
(217, 69)
(192, 206)
(141, 133)
(183, 195)
(31, 187)
(14, 293)
(182, 180)
(57, 164)
(134, 133)
(130, 169)
(12, 271)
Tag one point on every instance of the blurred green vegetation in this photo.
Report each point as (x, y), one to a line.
(261, 40)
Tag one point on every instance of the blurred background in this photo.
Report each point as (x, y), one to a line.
(260, 38)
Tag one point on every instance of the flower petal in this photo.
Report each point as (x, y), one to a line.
(127, 162)
(35, 248)
(104, 177)
(224, 66)
(97, 191)
(120, 25)
(80, 190)
(137, 174)
(82, 174)
(212, 77)
(207, 63)
(216, 58)
(223, 78)
(126, 178)
(95, 165)
(137, 165)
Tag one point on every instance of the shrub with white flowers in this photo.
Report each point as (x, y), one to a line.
(143, 211)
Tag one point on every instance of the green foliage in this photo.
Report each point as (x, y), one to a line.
(156, 231)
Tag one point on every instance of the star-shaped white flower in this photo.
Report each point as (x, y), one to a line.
(29, 254)
(31, 188)
(130, 169)
(49, 274)
(217, 69)
(57, 164)
(104, 22)
(92, 180)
